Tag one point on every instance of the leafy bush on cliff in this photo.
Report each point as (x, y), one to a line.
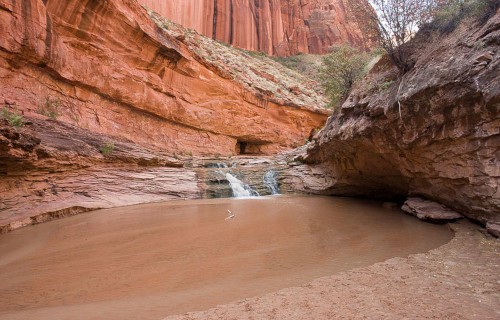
(13, 117)
(398, 21)
(449, 17)
(305, 64)
(50, 107)
(107, 148)
(341, 68)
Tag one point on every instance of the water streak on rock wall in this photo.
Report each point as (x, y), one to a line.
(276, 27)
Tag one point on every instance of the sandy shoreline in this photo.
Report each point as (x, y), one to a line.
(459, 280)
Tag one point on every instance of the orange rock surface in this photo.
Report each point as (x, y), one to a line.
(276, 27)
(116, 72)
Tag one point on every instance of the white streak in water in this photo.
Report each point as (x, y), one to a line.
(240, 189)
(271, 182)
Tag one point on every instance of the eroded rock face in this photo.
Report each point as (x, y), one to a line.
(117, 72)
(440, 142)
(276, 27)
(49, 170)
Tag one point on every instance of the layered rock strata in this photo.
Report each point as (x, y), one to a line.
(434, 134)
(50, 170)
(276, 27)
(211, 174)
(112, 70)
(115, 101)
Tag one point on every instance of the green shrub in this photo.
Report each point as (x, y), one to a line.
(487, 10)
(449, 17)
(341, 69)
(13, 117)
(107, 148)
(50, 108)
(385, 85)
(306, 64)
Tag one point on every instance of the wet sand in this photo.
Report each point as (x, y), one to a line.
(459, 280)
(149, 261)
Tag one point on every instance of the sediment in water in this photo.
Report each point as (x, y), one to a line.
(152, 260)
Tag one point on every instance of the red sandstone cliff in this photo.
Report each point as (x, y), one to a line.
(119, 73)
(276, 27)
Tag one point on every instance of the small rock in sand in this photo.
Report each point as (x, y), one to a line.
(493, 228)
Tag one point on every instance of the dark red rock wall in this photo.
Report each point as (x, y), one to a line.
(276, 27)
(433, 134)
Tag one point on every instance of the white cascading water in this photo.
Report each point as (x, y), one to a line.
(271, 182)
(240, 189)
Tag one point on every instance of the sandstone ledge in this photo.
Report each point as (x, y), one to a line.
(50, 170)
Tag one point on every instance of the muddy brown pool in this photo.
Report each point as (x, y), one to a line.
(150, 261)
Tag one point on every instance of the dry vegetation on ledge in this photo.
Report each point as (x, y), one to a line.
(254, 70)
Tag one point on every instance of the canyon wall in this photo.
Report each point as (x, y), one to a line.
(90, 75)
(49, 170)
(276, 27)
(432, 133)
(114, 71)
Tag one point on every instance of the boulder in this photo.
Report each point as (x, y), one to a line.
(430, 211)
(493, 228)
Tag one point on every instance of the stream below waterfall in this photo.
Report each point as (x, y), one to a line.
(150, 261)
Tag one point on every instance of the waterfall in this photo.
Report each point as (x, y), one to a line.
(240, 189)
(223, 180)
(270, 180)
